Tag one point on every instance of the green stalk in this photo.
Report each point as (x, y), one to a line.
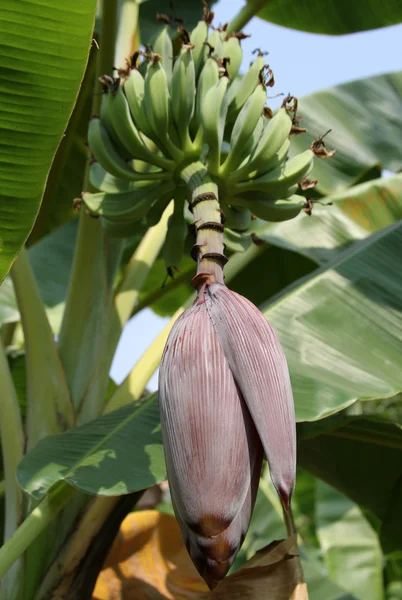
(33, 525)
(136, 273)
(149, 299)
(249, 10)
(127, 26)
(49, 408)
(133, 386)
(204, 205)
(12, 446)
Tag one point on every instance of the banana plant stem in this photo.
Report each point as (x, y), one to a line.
(33, 525)
(126, 31)
(249, 10)
(49, 408)
(135, 275)
(12, 447)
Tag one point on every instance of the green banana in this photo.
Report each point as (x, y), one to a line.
(232, 49)
(275, 210)
(276, 183)
(213, 116)
(273, 139)
(158, 105)
(215, 40)
(243, 129)
(183, 95)
(125, 206)
(163, 46)
(236, 241)
(208, 78)
(105, 182)
(134, 89)
(236, 217)
(128, 134)
(273, 163)
(238, 94)
(173, 248)
(104, 152)
(198, 38)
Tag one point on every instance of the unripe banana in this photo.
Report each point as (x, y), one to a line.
(215, 40)
(158, 106)
(134, 89)
(105, 182)
(163, 46)
(236, 241)
(236, 217)
(198, 38)
(183, 95)
(239, 94)
(213, 115)
(173, 248)
(277, 182)
(275, 210)
(232, 49)
(104, 152)
(208, 78)
(243, 129)
(278, 159)
(127, 132)
(125, 206)
(273, 138)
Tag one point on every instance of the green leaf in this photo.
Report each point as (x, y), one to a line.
(365, 118)
(70, 159)
(118, 453)
(350, 547)
(318, 583)
(335, 17)
(45, 48)
(341, 329)
(361, 457)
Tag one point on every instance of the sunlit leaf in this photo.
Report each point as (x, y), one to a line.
(115, 454)
(45, 48)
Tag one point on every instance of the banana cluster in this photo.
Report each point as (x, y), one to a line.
(164, 112)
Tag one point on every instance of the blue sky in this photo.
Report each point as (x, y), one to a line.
(302, 63)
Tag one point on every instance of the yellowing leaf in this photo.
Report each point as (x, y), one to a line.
(148, 561)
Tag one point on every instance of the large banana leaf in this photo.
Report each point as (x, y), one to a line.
(341, 327)
(115, 454)
(45, 47)
(349, 545)
(333, 17)
(361, 457)
(365, 118)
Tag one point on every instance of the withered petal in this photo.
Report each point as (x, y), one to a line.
(259, 367)
(209, 439)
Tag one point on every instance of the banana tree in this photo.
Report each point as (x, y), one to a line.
(185, 162)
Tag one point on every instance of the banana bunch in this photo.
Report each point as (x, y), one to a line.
(164, 112)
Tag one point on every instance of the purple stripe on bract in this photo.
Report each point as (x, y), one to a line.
(259, 367)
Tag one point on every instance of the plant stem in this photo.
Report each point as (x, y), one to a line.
(12, 446)
(33, 525)
(49, 408)
(249, 10)
(107, 41)
(289, 522)
(133, 386)
(204, 205)
(127, 27)
(136, 273)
